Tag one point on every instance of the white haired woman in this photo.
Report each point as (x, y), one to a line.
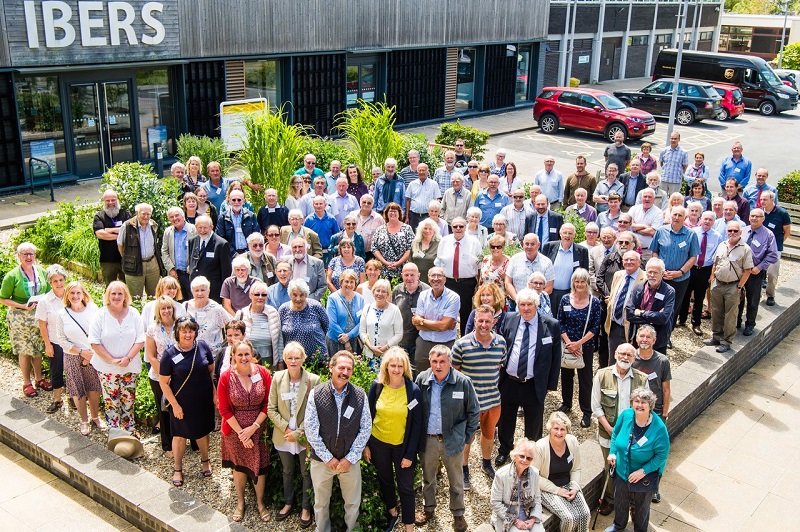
(474, 226)
(425, 245)
(558, 460)
(516, 499)
(47, 312)
(434, 213)
(263, 326)
(304, 320)
(20, 284)
(210, 315)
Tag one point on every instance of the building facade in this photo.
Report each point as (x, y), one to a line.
(86, 84)
(757, 34)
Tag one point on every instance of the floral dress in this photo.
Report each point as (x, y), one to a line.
(392, 246)
(308, 326)
(492, 274)
(337, 267)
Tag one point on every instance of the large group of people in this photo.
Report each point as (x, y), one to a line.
(237, 308)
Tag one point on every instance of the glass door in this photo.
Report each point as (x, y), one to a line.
(362, 79)
(101, 126)
(465, 90)
(524, 55)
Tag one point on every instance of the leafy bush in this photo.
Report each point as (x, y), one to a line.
(580, 224)
(419, 142)
(145, 406)
(791, 56)
(8, 261)
(136, 183)
(474, 138)
(272, 151)
(206, 148)
(369, 132)
(327, 150)
(789, 188)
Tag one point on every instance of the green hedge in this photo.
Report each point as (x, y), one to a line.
(789, 188)
(474, 138)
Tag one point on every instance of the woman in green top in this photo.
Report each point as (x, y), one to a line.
(26, 280)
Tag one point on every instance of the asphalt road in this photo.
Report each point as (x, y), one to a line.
(769, 141)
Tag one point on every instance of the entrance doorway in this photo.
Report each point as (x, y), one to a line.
(101, 125)
(609, 58)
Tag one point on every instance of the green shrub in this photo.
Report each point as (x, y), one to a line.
(327, 150)
(580, 224)
(145, 406)
(789, 188)
(272, 151)
(206, 148)
(8, 261)
(136, 183)
(369, 133)
(474, 138)
(419, 142)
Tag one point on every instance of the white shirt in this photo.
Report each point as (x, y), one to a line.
(653, 217)
(470, 254)
(117, 338)
(513, 358)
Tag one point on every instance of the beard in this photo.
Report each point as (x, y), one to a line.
(112, 212)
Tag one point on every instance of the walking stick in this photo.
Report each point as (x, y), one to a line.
(602, 494)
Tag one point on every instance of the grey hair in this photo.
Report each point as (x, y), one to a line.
(441, 350)
(645, 394)
(53, 270)
(255, 237)
(240, 260)
(298, 284)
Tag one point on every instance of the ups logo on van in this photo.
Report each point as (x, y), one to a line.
(729, 72)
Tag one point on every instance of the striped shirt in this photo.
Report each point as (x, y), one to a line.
(482, 366)
(421, 194)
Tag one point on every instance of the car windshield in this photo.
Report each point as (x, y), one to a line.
(770, 77)
(610, 102)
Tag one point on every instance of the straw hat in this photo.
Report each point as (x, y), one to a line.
(124, 444)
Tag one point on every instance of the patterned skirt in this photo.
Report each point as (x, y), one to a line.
(23, 331)
(574, 515)
(80, 379)
(252, 462)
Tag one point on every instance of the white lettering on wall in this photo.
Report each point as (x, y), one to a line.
(60, 32)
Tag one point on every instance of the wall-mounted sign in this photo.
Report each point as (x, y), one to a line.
(231, 120)
(583, 59)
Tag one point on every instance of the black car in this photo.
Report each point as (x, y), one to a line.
(697, 100)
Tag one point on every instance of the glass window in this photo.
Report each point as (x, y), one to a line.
(262, 80)
(361, 79)
(157, 120)
(41, 122)
(638, 40)
(465, 91)
(523, 72)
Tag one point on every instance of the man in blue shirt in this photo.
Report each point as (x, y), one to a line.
(175, 249)
(765, 253)
(736, 166)
(699, 278)
(435, 317)
(752, 193)
(324, 225)
(390, 188)
(491, 202)
(278, 293)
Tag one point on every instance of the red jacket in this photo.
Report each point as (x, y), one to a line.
(223, 396)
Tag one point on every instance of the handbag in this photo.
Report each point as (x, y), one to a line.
(570, 361)
(165, 405)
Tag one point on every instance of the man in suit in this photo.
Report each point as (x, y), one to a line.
(175, 249)
(308, 268)
(531, 368)
(295, 229)
(634, 181)
(272, 213)
(209, 256)
(544, 223)
(653, 303)
(566, 258)
(622, 285)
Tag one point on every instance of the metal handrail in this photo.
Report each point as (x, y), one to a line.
(42, 162)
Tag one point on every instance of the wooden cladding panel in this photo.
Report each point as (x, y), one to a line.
(234, 80)
(452, 82)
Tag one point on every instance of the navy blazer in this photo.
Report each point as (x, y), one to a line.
(554, 220)
(226, 230)
(660, 317)
(547, 363)
(413, 419)
(579, 253)
(215, 268)
(641, 184)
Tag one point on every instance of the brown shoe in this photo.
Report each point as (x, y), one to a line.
(606, 508)
(422, 518)
(459, 523)
(697, 330)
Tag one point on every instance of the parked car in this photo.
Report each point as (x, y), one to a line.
(788, 77)
(697, 100)
(731, 104)
(589, 110)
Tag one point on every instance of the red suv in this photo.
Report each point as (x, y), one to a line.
(732, 104)
(590, 110)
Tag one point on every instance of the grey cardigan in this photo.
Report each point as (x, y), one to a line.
(460, 410)
(542, 462)
(502, 486)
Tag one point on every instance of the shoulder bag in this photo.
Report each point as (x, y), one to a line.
(568, 360)
(165, 406)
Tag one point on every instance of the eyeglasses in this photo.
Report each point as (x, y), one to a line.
(459, 226)
(524, 457)
(260, 294)
(627, 243)
(483, 171)
(185, 319)
(275, 235)
(518, 197)
(733, 230)
(471, 166)
(257, 246)
(306, 181)
(501, 156)
(350, 223)
(592, 232)
(496, 247)
(28, 254)
(236, 200)
(459, 145)
(623, 222)
(311, 163)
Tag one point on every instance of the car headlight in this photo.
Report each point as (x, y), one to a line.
(637, 120)
(782, 95)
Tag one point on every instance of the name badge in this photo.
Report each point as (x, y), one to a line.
(756, 243)
(659, 296)
(420, 254)
(177, 358)
(652, 376)
(255, 378)
(737, 170)
(413, 310)
(201, 314)
(209, 254)
(771, 225)
(641, 441)
(263, 325)
(270, 275)
(119, 224)
(288, 396)
(219, 190)
(348, 412)
(681, 244)
(458, 395)
(498, 204)
(552, 229)
(270, 209)
(308, 246)
(547, 340)
(307, 278)
(576, 264)
(569, 459)
(567, 308)
(412, 404)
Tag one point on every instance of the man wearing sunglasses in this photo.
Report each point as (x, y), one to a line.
(237, 224)
(462, 157)
(310, 167)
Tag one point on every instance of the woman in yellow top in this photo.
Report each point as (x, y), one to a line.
(395, 403)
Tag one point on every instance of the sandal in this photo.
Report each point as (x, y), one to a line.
(238, 514)
(264, 514)
(101, 423)
(29, 390)
(54, 407)
(45, 385)
(86, 428)
(207, 472)
(177, 482)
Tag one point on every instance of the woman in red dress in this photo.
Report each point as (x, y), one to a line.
(243, 397)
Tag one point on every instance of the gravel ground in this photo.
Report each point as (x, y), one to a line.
(218, 491)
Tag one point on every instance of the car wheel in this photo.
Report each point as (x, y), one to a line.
(548, 124)
(684, 116)
(766, 108)
(612, 130)
(723, 115)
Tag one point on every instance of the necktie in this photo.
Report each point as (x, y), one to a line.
(750, 238)
(701, 260)
(522, 363)
(620, 305)
(202, 248)
(606, 252)
(540, 229)
(456, 258)
(758, 199)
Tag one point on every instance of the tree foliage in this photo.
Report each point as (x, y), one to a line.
(369, 132)
(791, 56)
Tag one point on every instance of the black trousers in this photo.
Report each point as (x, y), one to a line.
(465, 288)
(698, 284)
(616, 336)
(386, 458)
(555, 299)
(602, 340)
(414, 219)
(163, 417)
(514, 394)
(622, 502)
(680, 292)
(584, 382)
(57, 367)
(752, 293)
(185, 282)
